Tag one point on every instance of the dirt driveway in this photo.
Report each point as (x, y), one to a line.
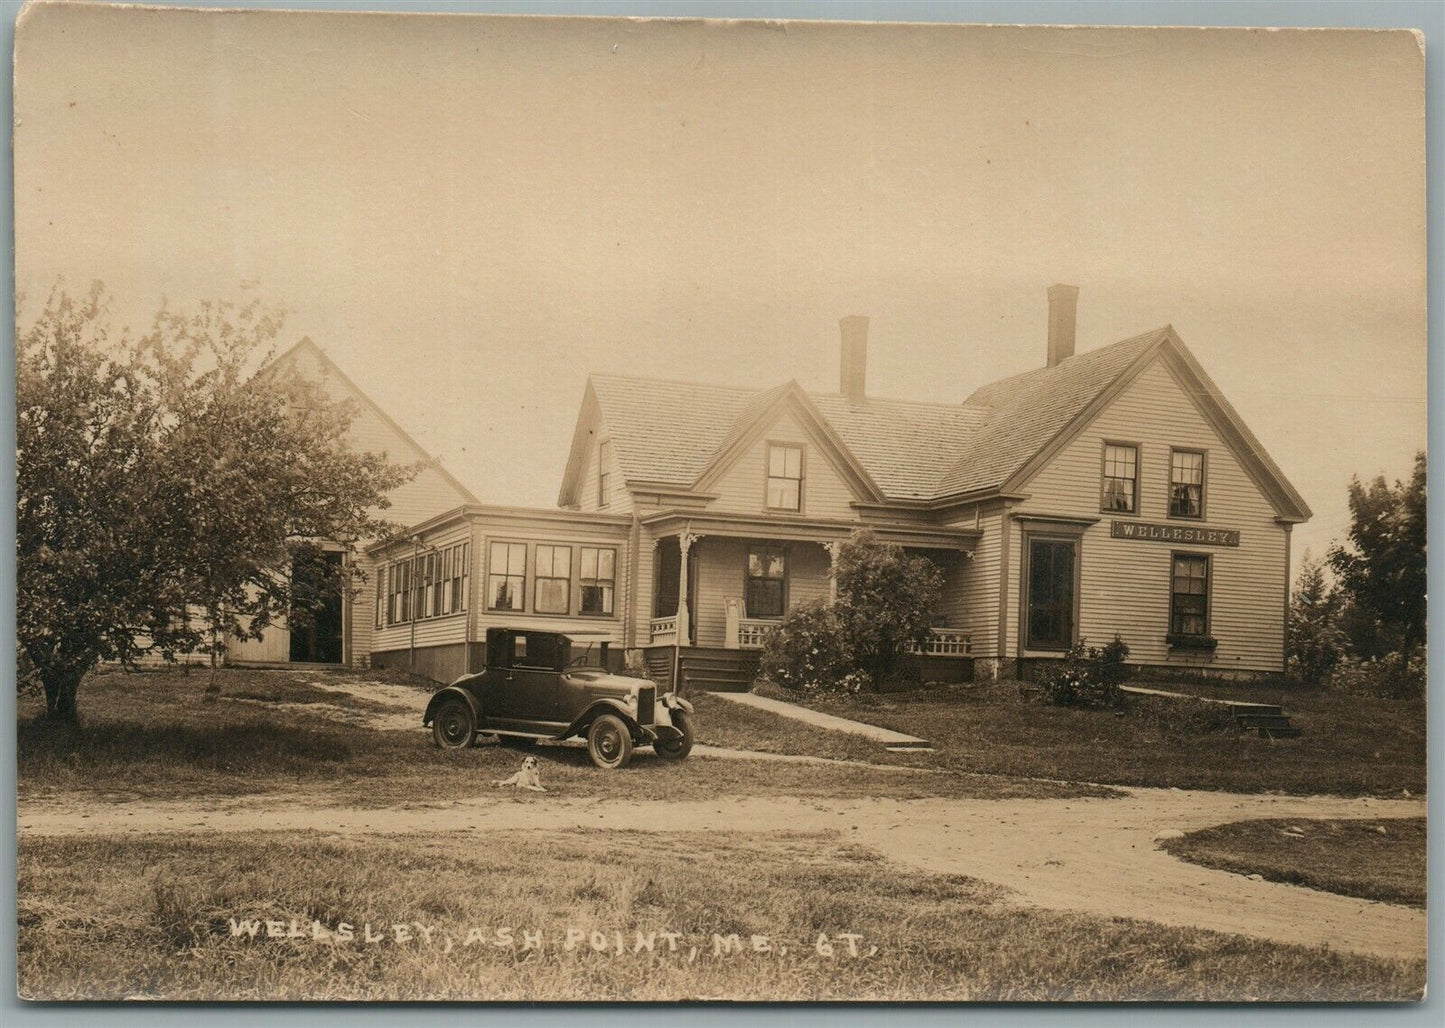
(1091, 855)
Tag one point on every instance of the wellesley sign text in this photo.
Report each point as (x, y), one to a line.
(1191, 535)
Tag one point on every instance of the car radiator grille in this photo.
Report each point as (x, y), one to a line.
(645, 699)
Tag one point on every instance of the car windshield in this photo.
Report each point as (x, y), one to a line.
(585, 654)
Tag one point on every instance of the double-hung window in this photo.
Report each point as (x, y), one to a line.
(604, 473)
(554, 579)
(599, 579)
(507, 576)
(785, 477)
(767, 574)
(1189, 595)
(1120, 490)
(1186, 484)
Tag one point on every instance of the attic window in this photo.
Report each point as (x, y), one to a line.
(604, 472)
(785, 477)
(1120, 490)
(1186, 484)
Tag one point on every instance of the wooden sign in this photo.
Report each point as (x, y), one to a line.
(1188, 535)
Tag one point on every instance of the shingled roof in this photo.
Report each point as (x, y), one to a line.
(1026, 411)
(671, 433)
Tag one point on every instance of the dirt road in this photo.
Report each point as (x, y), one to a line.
(1091, 855)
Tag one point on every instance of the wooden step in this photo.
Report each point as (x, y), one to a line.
(1263, 721)
(1282, 732)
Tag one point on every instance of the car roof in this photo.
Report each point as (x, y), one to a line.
(588, 635)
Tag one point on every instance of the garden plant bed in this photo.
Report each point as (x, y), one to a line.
(1378, 860)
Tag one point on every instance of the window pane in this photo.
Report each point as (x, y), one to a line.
(783, 493)
(607, 564)
(552, 595)
(776, 461)
(597, 599)
(561, 561)
(589, 562)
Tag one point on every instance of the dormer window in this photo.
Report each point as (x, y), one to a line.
(785, 477)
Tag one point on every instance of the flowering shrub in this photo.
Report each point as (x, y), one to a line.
(1393, 676)
(1088, 676)
(808, 652)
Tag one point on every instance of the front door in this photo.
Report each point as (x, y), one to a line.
(1050, 576)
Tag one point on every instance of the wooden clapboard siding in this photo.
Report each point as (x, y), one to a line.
(722, 575)
(433, 631)
(429, 493)
(743, 486)
(619, 500)
(970, 598)
(1124, 583)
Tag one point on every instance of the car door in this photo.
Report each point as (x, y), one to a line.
(530, 682)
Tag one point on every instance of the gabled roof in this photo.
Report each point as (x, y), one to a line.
(678, 433)
(1024, 412)
(306, 345)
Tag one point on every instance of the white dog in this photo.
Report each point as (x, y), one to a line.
(527, 778)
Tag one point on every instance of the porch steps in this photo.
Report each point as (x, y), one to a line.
(1268, 719)
(703, 669)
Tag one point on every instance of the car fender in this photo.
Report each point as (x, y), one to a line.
(448, 693)
(603, 706)
(672, 700)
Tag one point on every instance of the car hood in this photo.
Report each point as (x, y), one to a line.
(597, 679)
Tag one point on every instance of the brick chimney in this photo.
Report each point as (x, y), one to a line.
(853, 368)
(1063, 313)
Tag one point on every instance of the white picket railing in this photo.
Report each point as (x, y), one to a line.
(752, 634)
(945, 642)
(664, 626)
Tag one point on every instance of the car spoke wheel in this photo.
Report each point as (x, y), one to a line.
(609, 742)
(676, 749)
(453, 727)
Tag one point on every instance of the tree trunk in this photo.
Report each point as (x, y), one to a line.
(213, 687)
(60, 690)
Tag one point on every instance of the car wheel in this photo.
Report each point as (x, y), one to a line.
(609, 742)
(676, 749)
(453, 727)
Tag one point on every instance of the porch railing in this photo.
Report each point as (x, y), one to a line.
(752, 634)
(942, 642)
(945, 642)
(664, 627)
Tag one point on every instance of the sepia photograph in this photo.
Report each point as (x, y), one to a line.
(571, 509)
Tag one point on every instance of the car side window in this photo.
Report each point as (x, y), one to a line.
(534, 651)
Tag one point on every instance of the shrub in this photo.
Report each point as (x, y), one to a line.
(886, 600)
(1393, 676)
(1088, 676)
(809, 652)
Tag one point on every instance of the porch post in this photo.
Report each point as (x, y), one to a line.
(684, 544)
(832, 548)
(685, 539)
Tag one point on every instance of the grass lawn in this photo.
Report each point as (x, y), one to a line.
(1378, 860)
(109, 918)
(151, 735)
(1352, 745)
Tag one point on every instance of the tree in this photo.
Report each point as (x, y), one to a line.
(157, 478)
(1316, 642)
(257, 475)
(886, 601)
(1382, 569)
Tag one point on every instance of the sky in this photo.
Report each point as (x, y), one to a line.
(470, 214)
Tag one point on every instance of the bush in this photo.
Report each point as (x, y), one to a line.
(1393, 676)
(1088, 676)
(809, 652)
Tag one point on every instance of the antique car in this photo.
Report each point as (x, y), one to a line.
(556, 685)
